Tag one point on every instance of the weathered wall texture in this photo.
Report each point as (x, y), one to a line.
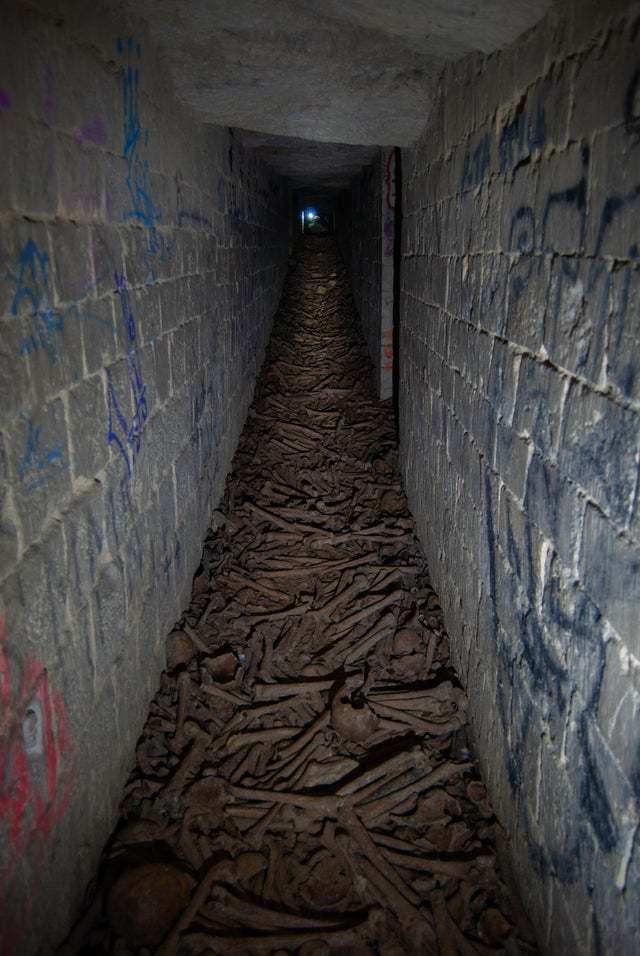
(387, 266)
(141, 260)
(359, 227)
(520, 400)
(366, 233)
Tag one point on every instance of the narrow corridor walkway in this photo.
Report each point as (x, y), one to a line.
(303, 783)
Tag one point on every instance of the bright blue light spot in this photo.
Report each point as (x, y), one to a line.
(311, 214)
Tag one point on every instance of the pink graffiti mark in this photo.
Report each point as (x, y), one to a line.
(5, 99)
(30, 808)
(92, 132)
(390, 204)
(387, 350)
(390, 191)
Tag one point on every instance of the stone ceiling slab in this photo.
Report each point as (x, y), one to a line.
(347, 72)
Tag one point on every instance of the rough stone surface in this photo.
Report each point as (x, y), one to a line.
(359, 230)
(141, 262)
(325, 166)
(338, 71)
(367, 235)
(520, 444)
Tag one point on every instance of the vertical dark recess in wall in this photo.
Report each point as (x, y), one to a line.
(397, 264)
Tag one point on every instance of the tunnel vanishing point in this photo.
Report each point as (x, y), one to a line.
(319, 477)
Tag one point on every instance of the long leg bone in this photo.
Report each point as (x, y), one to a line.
(382, 805)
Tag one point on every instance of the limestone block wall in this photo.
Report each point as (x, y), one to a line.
(388, 239)
(520, 444)
(359, 231)
(141, 263)
(367, 237)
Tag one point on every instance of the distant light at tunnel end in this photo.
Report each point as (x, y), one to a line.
(311, 214)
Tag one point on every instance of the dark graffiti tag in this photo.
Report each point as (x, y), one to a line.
(519, 138)
(565, 686)
(632, 106)
(135, 149)
(124, 433)
(476, 163)
(522, 136)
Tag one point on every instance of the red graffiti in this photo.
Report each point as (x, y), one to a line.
(389, 227)
(390, 192)
(387, 350)
(35, 756)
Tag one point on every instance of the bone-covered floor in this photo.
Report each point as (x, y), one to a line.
(303, 783)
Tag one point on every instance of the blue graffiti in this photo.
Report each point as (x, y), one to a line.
(39, 461)
(127, 435)
(476, 164)
(135, 143)
(526, 650)
(32, 286)
(521, 137)
(560, 682)
(530, 235)
(189, 216)
(32, 292)
(125, 306)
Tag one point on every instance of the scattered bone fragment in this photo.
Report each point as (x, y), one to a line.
(385, 804)
(368, 848)
(202, 891)
(446, 943)
(180, 650)
(325, 773)
(256, 917)
(239, 741)
(222, 667)
(327, 883)
(184, 692)
(145, 901)
(191, 762)
(353, 718)
(276, 691)
(309, 733)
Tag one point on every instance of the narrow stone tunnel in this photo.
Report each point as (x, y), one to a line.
(319, 458)
(306, 756)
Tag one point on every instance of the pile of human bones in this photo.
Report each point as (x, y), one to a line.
(304, 783)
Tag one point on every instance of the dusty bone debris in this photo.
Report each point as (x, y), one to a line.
(145, 901)
(180, 650)
(320, 795)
